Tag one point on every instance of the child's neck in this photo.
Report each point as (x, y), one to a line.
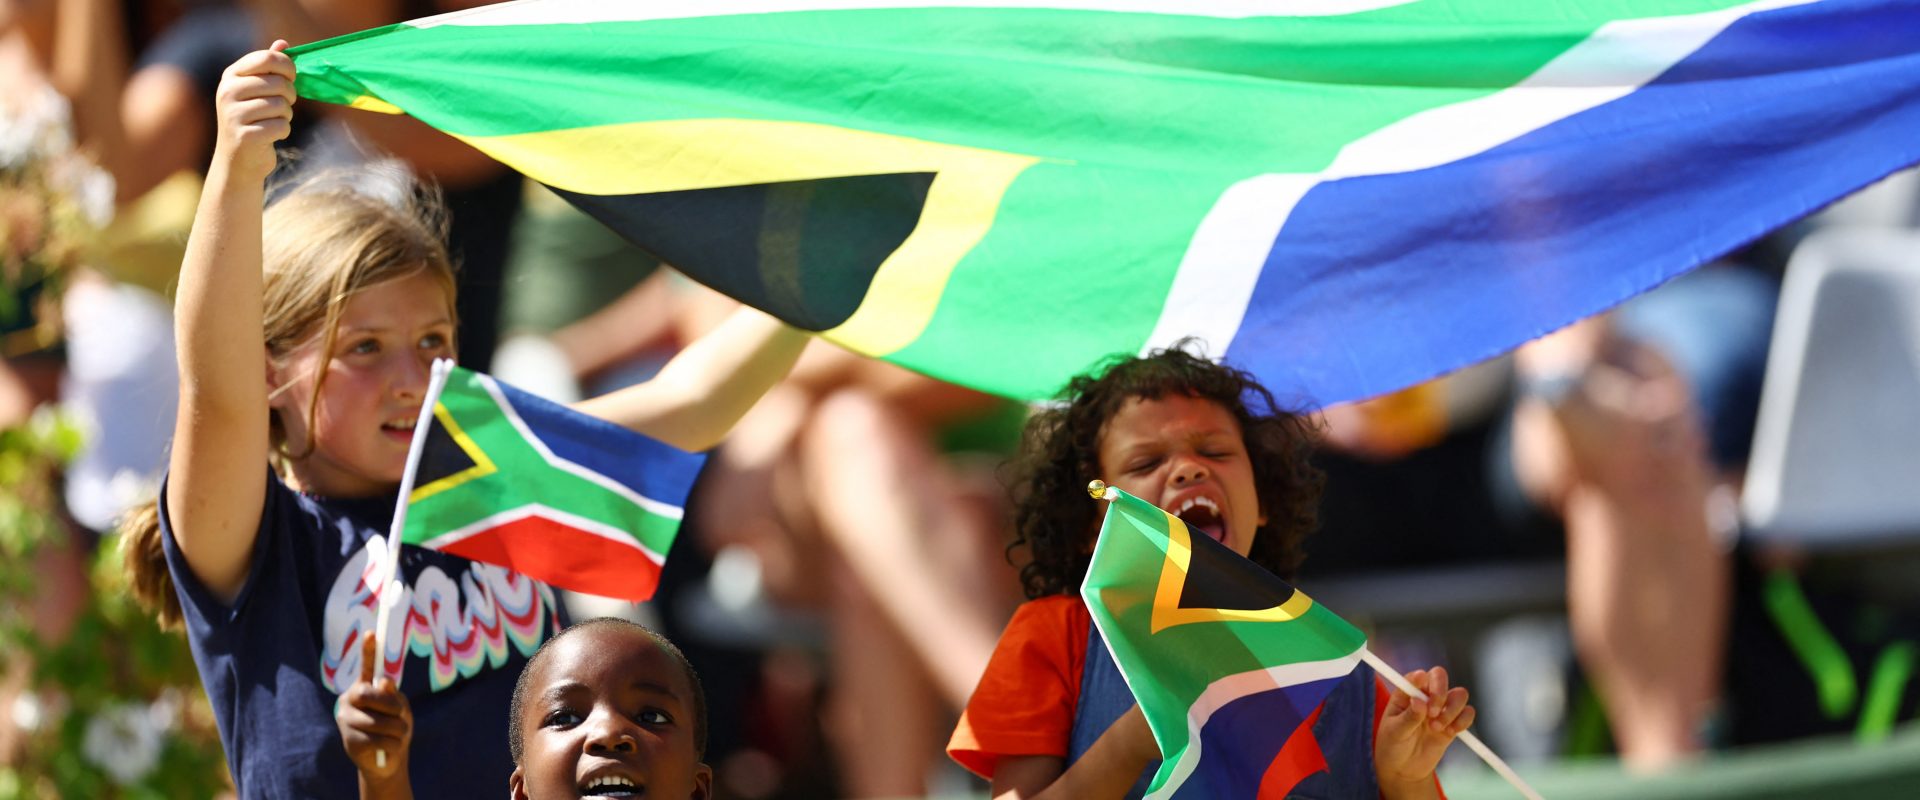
(307, 477)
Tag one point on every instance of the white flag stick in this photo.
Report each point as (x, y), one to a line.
(1472, 742)
(388, 588)
(391, 570)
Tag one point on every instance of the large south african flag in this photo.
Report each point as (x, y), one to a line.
(502, 476)
(1227, 661)
(1344, 196)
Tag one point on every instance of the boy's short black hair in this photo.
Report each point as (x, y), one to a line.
(1060, 453)
(515, 745)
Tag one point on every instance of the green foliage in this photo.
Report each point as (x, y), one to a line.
(121, 711)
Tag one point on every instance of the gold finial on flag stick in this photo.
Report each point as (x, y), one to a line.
(1098, 489)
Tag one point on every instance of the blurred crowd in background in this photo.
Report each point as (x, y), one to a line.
(1561, 526)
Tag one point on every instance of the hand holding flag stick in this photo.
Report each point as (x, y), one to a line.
(376, 727)
(1472, 742)
(1205, 638)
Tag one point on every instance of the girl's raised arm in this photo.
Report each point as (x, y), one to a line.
(216, 481)
(706, 388)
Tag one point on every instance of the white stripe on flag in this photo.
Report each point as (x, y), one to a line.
(544, 12)
(650, 505)
(1233, 687)
(602, 530)
(1222, 265)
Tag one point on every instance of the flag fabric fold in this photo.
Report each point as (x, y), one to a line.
(1228, 662)
(1343, 196)
(508, 478)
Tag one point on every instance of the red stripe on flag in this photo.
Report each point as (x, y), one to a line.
(564, 556)
(1298, 758)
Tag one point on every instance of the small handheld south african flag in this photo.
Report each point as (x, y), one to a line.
(502, 476)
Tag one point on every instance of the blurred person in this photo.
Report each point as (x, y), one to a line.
(1618, 452)
(144, 117)
(1209, 444)
(356, 294)
(1632, 428)
(838, 486)
(50, 204)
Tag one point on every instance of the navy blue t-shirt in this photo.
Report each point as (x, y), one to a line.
(275, 662)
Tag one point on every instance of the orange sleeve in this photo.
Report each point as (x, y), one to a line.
(1025, 702)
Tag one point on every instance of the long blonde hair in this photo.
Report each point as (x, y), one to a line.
(324, 240)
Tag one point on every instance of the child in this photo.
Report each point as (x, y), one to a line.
(269, 566)
(606, 708)
(1052, 712)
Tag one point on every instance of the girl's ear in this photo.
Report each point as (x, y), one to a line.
(702, 782)
(273, 377)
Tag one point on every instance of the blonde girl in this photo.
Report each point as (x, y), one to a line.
(264, 565)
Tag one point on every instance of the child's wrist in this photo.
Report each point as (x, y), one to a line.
(226, 173)
(1401, 789)
(396, 785)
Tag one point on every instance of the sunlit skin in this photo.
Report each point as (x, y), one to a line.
(608, 701)
(1177, 448)
(377, 377)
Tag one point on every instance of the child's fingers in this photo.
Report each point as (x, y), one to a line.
(1397, 700)
(1461, 722)
(263, 118)
(263, 62)
(361, 742)
(1436, 688)
(257, 104)
(248, 87)
(380, 698)
(279, 45)
(371, 723)
(1416, 705)
(1450, 708)
(387, 687)
(369, 650)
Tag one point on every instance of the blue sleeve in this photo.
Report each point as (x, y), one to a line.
(206, 614)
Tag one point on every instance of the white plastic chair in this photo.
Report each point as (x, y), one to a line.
(1836, 452)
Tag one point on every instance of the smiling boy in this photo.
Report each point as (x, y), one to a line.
(607, 708)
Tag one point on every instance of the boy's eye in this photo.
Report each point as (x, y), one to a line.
(654, 716)
(1143, 465)
(433, 341)
(560, 718)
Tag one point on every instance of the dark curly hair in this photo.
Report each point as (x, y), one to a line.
(1060, 452)
(523, 685)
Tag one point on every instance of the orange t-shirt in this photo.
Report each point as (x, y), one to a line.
(1026, 699)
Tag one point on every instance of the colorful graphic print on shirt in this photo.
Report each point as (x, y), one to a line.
(460, 624)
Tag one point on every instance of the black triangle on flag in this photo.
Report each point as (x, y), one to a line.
(442, 457)
(1203, 581)
(1217, 577)
(804, 251)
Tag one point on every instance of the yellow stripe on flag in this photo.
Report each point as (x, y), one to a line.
(1173, 580)
(482, 466)
(367, 102)
(681, 155)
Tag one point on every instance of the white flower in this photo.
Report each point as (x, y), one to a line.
(125, 741)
